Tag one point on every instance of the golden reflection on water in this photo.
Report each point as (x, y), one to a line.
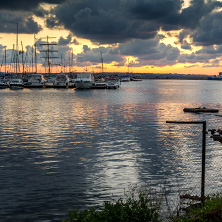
(110, 138)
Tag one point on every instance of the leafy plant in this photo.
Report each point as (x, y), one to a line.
(136, 206)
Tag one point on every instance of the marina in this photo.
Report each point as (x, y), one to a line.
(61, 80)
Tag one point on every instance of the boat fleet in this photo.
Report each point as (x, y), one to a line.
(61, 80)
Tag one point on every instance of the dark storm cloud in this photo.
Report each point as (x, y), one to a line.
(149, 50)
(210, 30)
(139, 47)
(102, 21)
(183, 34)
(117, 21)
(186, 45)
(207, 55)
(75, 42)
(151, 10)
(8, 21)
(93, 56)
(153, 53)
(190, 17)
(63, 41)
(25, 5)
(210, 50)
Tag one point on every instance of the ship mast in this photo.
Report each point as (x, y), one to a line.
(23, 65)
(35, 54)
(48, 57)
(101, 61)
(5, 59)
(16, 58)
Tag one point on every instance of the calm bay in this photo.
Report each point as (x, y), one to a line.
(63, 149)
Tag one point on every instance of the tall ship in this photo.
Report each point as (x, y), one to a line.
(49, 54)
(84, 81)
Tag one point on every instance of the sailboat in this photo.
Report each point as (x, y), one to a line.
(48, 56)
(3, 81)
(16, 83)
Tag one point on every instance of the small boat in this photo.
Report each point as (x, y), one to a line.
(136, 78)
(36, 81)
(99, 85)
(3, 83)
(16, 84)
(84, 81)
(61, 81)
(50, 79)
(125, 79)
(113, 83)
(200, 110)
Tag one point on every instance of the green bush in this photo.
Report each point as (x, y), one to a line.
(137, 206)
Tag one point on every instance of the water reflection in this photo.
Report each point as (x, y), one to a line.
(64, 149)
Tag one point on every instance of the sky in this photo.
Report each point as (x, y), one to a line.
(146, 36)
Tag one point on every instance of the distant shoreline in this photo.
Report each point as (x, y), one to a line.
(158, 75)
(140, 75)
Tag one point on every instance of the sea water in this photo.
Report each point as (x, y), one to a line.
(63, 149)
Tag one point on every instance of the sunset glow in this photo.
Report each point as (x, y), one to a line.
(142, 36)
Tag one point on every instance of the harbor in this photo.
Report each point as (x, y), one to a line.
(62, 80)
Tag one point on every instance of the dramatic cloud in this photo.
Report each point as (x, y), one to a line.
(101, 21)
(118, 21)
(150, 52)
(22, 11)
(8, 21)
(210, 30)
(186, 45)
(189, 18)
(93, 56)
(151, 10)
(66, 41)
(129, 27)
(25, 5)
(207, 55)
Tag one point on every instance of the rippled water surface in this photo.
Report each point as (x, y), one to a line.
(67, 149)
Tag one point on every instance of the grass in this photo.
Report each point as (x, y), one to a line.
(136, 206)
(210, 211)
(144, 206)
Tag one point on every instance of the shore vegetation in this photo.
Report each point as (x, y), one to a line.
(143, 205)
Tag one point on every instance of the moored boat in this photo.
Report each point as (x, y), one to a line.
(99, 85)
(200, 110)
(84, 81)
(3, 83)
(36, 81)
(136, 78)
(16, 84)
(61, 81)
(113, 83)
(50, 79)
(125, 79)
